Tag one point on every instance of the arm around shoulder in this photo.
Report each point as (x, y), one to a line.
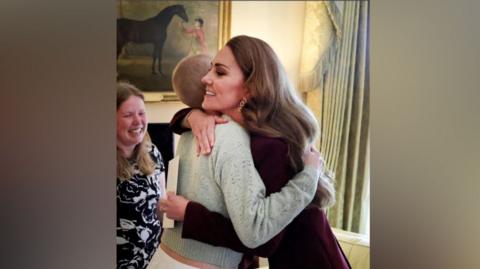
(257, 218)
(176, 124)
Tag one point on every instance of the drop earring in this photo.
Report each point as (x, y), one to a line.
(242, 103)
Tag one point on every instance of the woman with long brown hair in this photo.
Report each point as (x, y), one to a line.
(227, 182)
(280, 127)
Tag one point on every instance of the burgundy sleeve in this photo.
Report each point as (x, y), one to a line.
(176, 122)
(215, 229)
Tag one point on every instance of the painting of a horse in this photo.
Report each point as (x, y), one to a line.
(152, 30)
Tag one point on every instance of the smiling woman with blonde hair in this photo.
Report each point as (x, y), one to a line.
(140, 181)
(140, 150)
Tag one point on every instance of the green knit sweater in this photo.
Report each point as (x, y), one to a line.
(226, 182)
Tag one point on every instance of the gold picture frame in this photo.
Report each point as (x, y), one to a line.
(136, 46)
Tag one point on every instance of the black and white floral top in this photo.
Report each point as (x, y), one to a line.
(138, 226)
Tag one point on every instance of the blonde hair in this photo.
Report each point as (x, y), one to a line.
(273, 109)
(141, 156)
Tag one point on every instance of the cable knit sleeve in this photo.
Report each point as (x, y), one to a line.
(256, 218)
(267, 152)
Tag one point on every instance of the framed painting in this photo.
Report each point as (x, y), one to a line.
(154, 35)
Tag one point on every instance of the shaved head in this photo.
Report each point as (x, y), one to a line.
(186, 79)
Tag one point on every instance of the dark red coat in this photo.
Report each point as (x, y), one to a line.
(307, 242)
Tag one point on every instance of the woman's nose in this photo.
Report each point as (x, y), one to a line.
(206, 79)
(136, 119)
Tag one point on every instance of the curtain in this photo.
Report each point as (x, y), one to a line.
(334, 80)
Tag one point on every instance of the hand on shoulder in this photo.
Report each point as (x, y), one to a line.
(203, 129)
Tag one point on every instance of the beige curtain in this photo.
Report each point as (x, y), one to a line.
(334, 81)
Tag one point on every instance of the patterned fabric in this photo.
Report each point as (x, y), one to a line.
(138, 227)
(322, 33)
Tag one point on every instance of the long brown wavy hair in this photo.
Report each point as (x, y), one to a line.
(141, 154)
(273, 108)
